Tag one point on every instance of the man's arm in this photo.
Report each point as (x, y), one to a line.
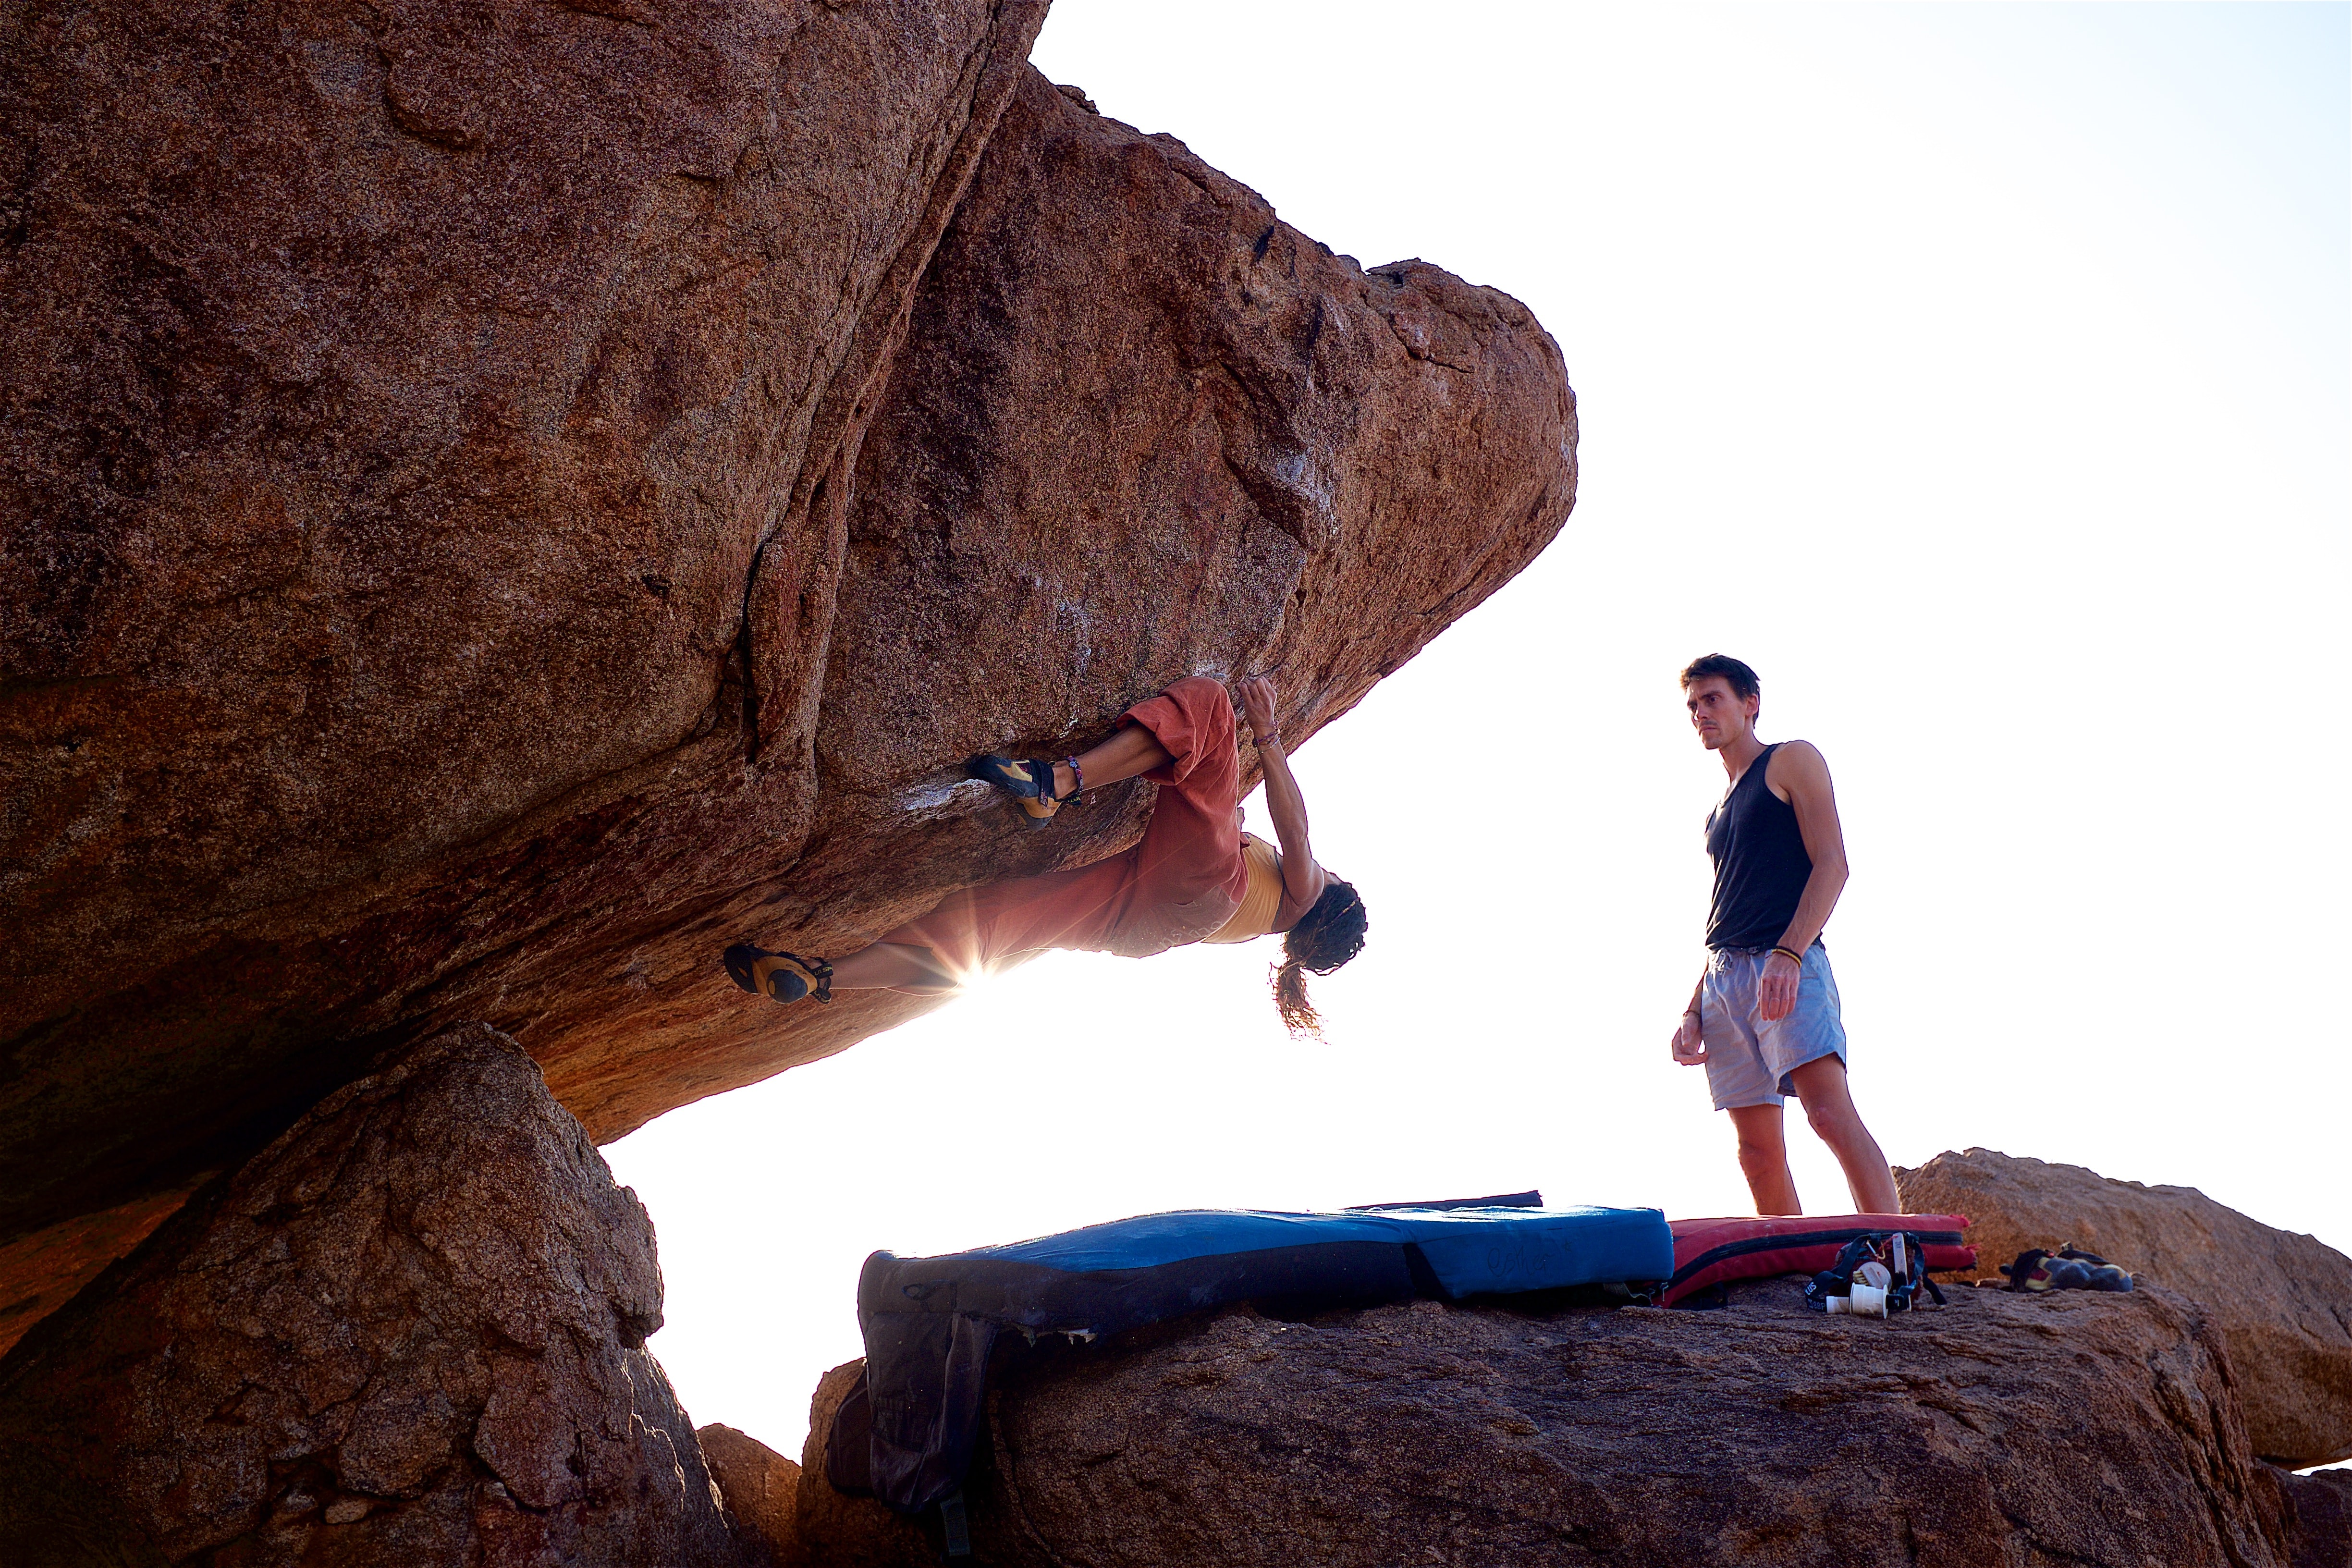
(1689, 1044)
(1798, 774)
(1302, 878)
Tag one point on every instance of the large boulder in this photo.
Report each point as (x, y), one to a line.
(401, 398)
(2281, 1301)
(410, 1332)
(1999, 1430)
(1140, 429)
(502, 500)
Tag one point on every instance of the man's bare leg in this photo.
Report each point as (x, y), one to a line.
(1764, 1158)
(1821, 1083)
(1132, 749)
(901, 966)
(891, 965)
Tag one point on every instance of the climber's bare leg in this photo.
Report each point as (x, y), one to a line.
(1821, 1083)
(891, 966)
(1132, 750)
(902, 966)
(1763, 1157)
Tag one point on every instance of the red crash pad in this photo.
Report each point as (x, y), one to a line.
(1712, 1251)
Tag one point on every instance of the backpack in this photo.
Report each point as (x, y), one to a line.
(1875, 1276)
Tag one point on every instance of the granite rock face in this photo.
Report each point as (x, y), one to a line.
(411, 1331)
(1139, 429)
(401, 398)
(2281, 1302)
(40, 1272)
(762, 1492)
(2081, 1429)
(503, 501)
(2317, 1512)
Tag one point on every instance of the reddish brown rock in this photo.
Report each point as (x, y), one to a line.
(1140, 429)
(49, 1266)
(2001, 1431)
(399, 399)
(447, 572)
(2316, 1511)
(410, 1332)
(2281, 1301)
(762, 1492)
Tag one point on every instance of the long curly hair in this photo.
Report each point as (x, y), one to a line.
(1325, 937)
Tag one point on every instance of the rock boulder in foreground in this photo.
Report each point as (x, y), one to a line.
(410, 1333)
(2281, 1302)
(1999, 1433)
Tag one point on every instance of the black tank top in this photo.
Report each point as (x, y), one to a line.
(1760, 863)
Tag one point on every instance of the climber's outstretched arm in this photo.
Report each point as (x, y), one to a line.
(1302, 878)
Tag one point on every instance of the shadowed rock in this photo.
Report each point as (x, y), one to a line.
(762, 1492)
(2001, 1430)
(410, 1332)
(447, 574)
(2281, 1302)
(2317, 1511)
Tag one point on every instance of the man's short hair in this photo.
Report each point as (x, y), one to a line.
(1742, 679)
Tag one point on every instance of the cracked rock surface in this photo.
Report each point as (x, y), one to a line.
(411, 1331)
(2002, 1432)
(2281, 1301)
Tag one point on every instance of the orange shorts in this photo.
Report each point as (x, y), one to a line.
(1181, 882)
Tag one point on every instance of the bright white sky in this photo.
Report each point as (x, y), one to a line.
(1981, 375)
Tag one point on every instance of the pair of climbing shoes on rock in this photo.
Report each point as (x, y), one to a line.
(1030, 783)
(785, 976)
(2068, 1268)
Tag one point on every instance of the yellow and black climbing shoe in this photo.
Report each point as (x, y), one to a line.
(1029, 783)
(2030, 1272)
(785, 976)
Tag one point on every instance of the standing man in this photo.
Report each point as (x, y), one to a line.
(1764, 1019)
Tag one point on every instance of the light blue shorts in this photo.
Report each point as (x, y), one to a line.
(1748, 1060)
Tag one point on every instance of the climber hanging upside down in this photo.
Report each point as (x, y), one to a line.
(1195, 876)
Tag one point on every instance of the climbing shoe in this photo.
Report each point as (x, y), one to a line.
(2102, 1274)
(785, 976)
(2068, 1268)
(2028, 1273)
(2066, 1274)
(1030, 783)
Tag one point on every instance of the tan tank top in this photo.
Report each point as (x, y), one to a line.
(1263, 902)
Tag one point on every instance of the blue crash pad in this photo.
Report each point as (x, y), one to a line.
(906, 1433)
(1472, 1251)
